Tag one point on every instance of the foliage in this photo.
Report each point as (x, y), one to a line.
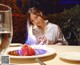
(69, 21)
(19, 20)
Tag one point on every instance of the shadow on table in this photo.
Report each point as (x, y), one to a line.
(31, 60)
(70, 61)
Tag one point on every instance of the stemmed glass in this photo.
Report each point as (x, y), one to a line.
(6, 28)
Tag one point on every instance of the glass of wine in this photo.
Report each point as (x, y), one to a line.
(6, 27)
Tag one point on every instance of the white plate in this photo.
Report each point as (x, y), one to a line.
(15, 44)
(73, 56)
(50, 51)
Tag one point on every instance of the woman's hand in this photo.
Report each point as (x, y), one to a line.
(42, 40)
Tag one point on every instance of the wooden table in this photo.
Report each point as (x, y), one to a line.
(50, 60)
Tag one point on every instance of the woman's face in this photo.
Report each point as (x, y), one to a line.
(36, 20)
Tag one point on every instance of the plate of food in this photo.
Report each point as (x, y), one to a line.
(72, 56)
(34, 51)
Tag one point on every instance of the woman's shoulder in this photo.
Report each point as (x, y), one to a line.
(52, 25)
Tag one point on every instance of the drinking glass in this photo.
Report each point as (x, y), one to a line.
(6, 28)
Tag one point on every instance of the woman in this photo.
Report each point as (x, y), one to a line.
(42, 31)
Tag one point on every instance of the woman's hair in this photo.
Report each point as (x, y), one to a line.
(35, 11)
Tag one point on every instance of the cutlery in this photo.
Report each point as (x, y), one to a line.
(39, 61)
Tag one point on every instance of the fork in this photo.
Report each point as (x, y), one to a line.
(39, 61)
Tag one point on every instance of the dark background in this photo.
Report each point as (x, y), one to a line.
(53, 6)
(65, 13)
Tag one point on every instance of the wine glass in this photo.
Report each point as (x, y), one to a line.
(6, 28)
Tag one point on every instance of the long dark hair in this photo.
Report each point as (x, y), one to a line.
(35, 11)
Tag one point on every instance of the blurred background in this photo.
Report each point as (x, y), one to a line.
(65, 13)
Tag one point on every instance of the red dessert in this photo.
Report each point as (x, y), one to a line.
(27, 50)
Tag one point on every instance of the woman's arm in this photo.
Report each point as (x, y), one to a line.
(60, 37)
(53, 36)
